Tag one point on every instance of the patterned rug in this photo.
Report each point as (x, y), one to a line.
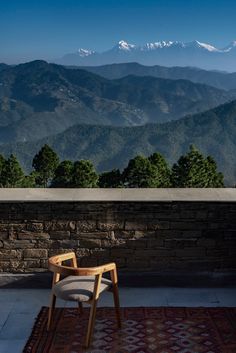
(145, 330)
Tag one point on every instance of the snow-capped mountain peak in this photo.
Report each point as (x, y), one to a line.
(123, 45)
(200, 45)
(85, 52)
(206, 46)
(167, 44)
(157, 45)
(159, 52)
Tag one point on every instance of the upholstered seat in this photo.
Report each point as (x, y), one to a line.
(79, 288)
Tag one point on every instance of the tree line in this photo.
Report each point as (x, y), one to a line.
(191, 170)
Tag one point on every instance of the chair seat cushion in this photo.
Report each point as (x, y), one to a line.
(79, 288)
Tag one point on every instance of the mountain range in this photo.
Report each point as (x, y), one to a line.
(38, 99)
(221, 80)
(169, 53)
(213, 132)
(110, 119)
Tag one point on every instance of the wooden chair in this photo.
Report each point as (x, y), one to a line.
(82, 285)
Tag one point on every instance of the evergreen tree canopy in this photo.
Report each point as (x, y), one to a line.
(140, 173)
(2, 162)
(215, 178)
(45, 162)
(110, 179)
(29, 181)
(163, 171)
(84, 175)
(193, 170)
(63, 175)
(12, 174)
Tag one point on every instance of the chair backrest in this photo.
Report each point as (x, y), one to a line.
(58, 259)
(55, 263)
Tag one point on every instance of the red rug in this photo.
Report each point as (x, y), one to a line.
(159, 330)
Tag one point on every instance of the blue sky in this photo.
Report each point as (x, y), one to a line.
(31, 29)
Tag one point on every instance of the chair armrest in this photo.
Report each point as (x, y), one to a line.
(82, 271)
(93, 271)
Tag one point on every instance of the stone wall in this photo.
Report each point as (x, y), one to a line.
(141, 236)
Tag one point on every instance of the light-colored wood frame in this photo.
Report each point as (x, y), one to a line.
(55, 265)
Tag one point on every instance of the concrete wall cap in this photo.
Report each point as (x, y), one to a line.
(121, 195)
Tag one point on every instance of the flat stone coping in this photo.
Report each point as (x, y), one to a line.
(113, 195)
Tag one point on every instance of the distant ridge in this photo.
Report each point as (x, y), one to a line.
(169, 53)
(221, 80)
(38, 99)
(213, 132)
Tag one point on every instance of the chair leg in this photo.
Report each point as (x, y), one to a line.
(50, 311)
(91, 323)
(117, 304)
(80, 307)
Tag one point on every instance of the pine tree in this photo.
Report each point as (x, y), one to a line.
(84, 175)
(2, 162)
(215, 179)
(12, 173)
(163, 171)
(29, 180)
(63, 175)
(194, 170)
(110, 179)
(140, 173)
(45, 163)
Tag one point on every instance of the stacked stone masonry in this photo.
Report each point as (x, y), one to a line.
(145, 236)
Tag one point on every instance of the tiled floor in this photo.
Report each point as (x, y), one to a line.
(18, 308)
